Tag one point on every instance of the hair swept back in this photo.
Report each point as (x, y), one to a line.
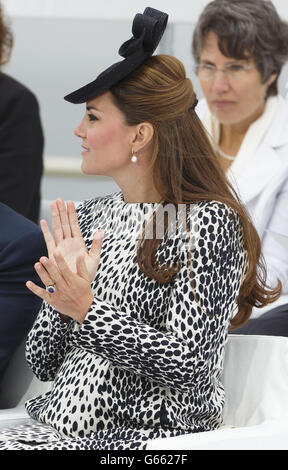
(159, 92)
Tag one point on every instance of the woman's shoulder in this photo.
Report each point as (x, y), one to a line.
(213, 234)
(213, 211)
(213, 218)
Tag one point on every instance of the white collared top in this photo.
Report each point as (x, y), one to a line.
(259, 174)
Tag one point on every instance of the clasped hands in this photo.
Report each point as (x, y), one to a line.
(70, 267)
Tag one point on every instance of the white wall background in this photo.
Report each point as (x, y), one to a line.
(62, 44)
(181, 10)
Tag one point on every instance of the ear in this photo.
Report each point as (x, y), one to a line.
(143, 136)
(271, 79)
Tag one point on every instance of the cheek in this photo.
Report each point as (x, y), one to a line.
(101, 138)
(251, 96)
(205, 87)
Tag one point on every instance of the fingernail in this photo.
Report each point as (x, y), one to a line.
(99, 234)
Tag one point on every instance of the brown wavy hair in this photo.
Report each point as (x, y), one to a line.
(6, 39)
(159, 92)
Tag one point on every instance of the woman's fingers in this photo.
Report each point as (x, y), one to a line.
(53, 270)
(66, 230)
(82, 268)
(56, 223)
(95, 253)
(96, 246)
(62, 268)
(64, 221)
(49, 240)
(39, 291)
(73, 219)
(58, 273)
(60, 221)
(43, 274)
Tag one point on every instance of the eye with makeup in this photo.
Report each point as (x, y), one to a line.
(91, 117)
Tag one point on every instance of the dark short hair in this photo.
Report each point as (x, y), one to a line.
(246, 26)
(6, 39)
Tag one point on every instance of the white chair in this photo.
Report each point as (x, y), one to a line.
(256, 409)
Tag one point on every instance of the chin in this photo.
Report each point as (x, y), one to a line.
(227, 118)
(86, 169)
(92, 171)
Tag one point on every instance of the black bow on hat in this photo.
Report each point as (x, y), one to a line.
(147, 30)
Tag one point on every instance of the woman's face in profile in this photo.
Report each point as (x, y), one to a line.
(106, 138)
(236, 95)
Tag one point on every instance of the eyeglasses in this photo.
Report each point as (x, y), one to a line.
(232, 71)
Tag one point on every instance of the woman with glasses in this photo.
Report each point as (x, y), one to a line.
(240, 48)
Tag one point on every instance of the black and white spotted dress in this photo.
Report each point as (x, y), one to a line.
(147, 360)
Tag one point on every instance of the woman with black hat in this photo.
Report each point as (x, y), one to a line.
(134, 323)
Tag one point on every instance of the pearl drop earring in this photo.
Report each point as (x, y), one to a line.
(134, 157)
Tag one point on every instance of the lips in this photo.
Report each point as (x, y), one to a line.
(222, 104)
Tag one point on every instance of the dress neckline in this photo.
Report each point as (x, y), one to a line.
(140, 204)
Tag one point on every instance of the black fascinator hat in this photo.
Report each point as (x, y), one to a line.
(147, 30)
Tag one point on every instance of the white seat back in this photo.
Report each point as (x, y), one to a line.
(255, 379)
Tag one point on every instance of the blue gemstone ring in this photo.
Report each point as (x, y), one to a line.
(51, 289)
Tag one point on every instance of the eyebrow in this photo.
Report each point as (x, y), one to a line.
(93, 107)
(207, 61)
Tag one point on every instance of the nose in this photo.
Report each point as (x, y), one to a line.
(220, 82)
(80, 130)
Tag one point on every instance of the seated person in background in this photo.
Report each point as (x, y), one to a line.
(21, 139)
(240, 48)
(21, 244)
(134, 325)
